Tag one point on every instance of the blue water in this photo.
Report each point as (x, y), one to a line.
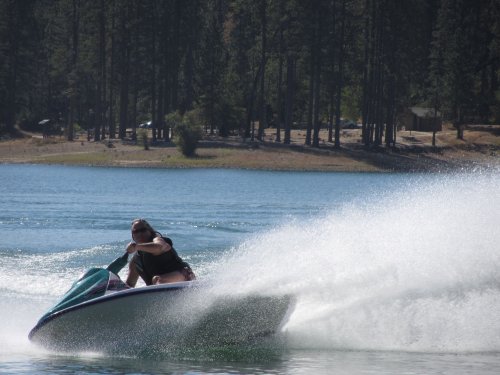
(393, 273)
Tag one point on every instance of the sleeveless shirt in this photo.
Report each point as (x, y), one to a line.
(149, 265)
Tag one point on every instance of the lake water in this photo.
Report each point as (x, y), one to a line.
(393, 273)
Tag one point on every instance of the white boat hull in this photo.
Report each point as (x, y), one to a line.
(157, 317)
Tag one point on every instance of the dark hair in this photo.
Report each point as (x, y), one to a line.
(148, 226)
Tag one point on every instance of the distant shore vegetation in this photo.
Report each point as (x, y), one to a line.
(111, 67)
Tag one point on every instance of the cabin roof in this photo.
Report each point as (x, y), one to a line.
(424, 112)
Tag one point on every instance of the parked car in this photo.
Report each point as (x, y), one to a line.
(146, 125)
(348, 124)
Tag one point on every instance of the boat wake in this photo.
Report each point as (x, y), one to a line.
(416, 269)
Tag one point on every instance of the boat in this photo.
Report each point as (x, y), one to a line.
(100, 313)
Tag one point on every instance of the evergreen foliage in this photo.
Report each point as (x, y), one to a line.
(245, 65)
(188, 133)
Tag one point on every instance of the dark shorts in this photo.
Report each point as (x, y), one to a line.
(186, 271)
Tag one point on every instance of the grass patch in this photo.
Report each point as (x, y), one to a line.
(190, 162)
(46, 141)
(94, 158)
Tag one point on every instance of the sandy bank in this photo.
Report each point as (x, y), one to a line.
(414, 152)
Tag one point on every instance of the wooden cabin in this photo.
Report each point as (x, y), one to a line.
(422, 119)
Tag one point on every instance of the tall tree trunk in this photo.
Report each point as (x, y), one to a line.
(262, 103)
(435, 124)
(190, 57)
(101, 90)
(368, 72)
(340, 80)
(153, 76)
(379, 131)
(459, 123)
(188, 104)
(103, 68)
(124, 79)
(111, 124)
(290, 90)
(249, 130)
(331, 116)
(389, 132)
(332, 89)
(310, 104)
(132, 120)
(12, 65)
(318, 30)
(279, 100)
(316, 103)
(175, 57)
(160, 112)
(73, 76)
(377, 79)
(166, 72)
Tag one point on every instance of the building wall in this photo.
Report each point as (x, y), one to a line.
(411, 121)
(427, 124)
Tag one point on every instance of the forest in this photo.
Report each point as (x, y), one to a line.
(241, 66)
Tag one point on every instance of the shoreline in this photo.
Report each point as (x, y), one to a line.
(413, 153)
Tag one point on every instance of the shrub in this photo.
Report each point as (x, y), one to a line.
(173, 119)
(143, 138)
(187, 134)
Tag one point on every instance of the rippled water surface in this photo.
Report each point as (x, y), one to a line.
(392, 273)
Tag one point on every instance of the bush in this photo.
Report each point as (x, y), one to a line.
(187, 134)
(143, 138)
(173, 119)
